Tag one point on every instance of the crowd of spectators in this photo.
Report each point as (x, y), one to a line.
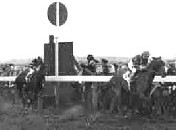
(14, 70)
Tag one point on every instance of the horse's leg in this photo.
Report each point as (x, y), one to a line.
(94, 96)
(107, 98)
(24, 100)
(20, 95)
(103, 98)
(113, 103)
(32, 98)
(116, 99)
(132, 104)
(23, 95)
(126, 100)
(130, 99)
(35, 99)
(157, 105)
(135, 104)
(99, 100)
(133, 97)
(29, 98)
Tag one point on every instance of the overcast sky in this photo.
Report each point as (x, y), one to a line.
(100, 27)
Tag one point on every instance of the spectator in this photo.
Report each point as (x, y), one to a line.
(105, 67)
(90, 70)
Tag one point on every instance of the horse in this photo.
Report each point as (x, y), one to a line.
(140, 89)
(30, 83)
(115, 91)
(35, 83)
(21, 83)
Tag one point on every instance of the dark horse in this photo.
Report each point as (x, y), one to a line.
(116, 90)
(35, 83)
(142, 85)
(21, 83)
(30, 88)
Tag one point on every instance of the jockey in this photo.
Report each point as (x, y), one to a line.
(134, 64)
(145, 60)
(39, 60)
(30, 70)
(126, 74)
(91, 63)
(34, 62)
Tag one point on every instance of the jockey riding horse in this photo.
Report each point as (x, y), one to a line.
(30, 83)
(117, 87)
(35, 82)
(142, 86)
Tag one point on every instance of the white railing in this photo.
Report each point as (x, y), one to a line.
(87, 78)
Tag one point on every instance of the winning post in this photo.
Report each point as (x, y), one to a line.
(57, 15)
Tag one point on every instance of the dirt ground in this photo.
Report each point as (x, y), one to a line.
(14, 117)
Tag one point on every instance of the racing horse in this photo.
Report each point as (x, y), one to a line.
(141, 87)
(115, 92)
(29, 84)
(35, 83)
(21, 83)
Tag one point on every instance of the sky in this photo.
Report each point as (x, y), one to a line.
(120, 28)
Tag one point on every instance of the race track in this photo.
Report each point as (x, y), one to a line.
(14, 117)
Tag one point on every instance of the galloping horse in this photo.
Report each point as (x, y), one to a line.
(35, 83)
(142, 86)
(139, 91)
(31, 86)
(20, 82)
(116, 90)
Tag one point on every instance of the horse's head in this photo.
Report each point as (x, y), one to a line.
(158, 66)
(43, 69)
